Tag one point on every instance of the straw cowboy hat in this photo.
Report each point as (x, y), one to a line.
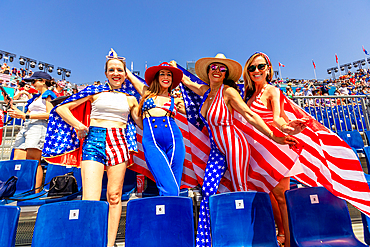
(234, 68)
(152, 71)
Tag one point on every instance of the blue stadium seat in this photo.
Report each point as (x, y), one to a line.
(129, 185)
(366, 224)
(160, 221)
(51, 172)
(318, 218)
(8, 225)
(72, 223)
(353, 139)
(24, 170)
(242, 219)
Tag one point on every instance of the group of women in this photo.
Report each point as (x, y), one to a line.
(105, 145)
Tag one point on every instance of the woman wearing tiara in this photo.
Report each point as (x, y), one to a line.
(105, 143)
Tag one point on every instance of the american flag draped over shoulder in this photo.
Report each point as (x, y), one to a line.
(328, 161)
(61, 143)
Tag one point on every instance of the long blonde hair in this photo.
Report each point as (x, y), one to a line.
(249, 87)
(153, 90)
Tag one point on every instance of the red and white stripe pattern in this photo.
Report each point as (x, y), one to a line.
(229, 140)
(328, 161)
(115, 148)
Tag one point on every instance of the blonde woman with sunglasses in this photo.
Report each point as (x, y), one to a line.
(264, 99)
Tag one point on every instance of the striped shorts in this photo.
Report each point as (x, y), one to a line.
(105, 145)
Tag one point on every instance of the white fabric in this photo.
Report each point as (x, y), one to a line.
(110, 106)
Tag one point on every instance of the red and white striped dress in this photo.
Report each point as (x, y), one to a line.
(229, 140)
(270, 162)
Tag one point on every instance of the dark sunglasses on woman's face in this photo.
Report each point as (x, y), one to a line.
(260, 67)
(215, 67)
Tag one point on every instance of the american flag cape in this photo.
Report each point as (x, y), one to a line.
(328, 161)
(61, 143)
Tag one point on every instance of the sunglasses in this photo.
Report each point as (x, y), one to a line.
(261, 67)
(215, 67)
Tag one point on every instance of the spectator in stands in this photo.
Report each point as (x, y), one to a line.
(5, 69)
(289, 92)
(30, 140)
(111, 109)
(74, 89)
(307, 90)
(266, 100)
(298, 92)
(21, 92)
(324, 88)
(59, 89)
(343, 90)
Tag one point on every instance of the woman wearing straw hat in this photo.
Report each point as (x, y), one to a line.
(229, 146)
(265, 100)
(106, 138)
(163, 143)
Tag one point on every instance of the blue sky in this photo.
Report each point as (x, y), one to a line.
(78, 34)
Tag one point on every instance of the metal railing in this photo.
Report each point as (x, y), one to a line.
(338, 113)
(10, 130)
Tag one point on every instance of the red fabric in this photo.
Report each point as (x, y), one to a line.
(82, 113)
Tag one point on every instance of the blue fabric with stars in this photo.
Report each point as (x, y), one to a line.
(215, 170)
(62, 138)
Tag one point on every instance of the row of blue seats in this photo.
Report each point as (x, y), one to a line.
(25, 171)
(343, 117)
(316, 218)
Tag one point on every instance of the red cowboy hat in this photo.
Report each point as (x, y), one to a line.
(152, 71)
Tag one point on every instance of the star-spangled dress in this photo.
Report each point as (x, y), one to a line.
(229, 149)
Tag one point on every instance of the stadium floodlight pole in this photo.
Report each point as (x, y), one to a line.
(64, 72)
(7, 56)
(28, 62)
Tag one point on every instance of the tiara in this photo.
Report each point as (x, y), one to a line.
(113, 55)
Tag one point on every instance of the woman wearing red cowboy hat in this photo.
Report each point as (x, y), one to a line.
(163, 143)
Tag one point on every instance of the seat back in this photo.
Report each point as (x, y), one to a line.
(366, 225)
(24, 170)
(160, 221)
(58, 170)
(352, 138)
(316, 215)
(242, 219)
(71, 223)
(8, 224)
(129, 185)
